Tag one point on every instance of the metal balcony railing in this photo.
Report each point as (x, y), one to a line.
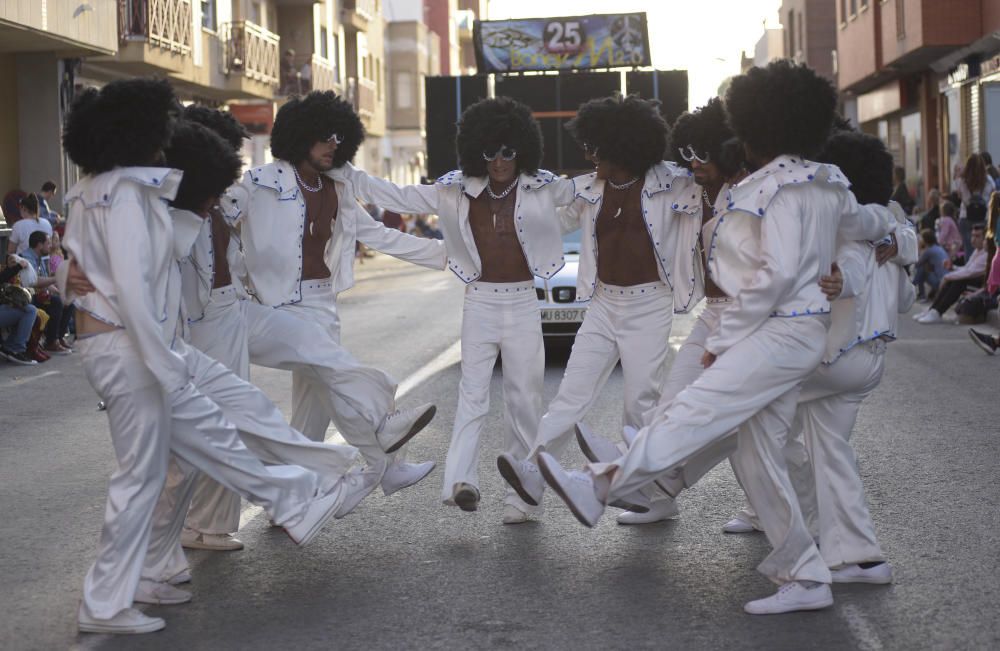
(164, 23)
(303, 73)
(251, 51)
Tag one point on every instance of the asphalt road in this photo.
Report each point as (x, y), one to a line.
(406, 572)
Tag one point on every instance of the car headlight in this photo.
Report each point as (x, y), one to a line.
(564, 294)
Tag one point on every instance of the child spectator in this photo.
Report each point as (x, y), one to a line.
(958, 280)
(930, 267)
(947, 232)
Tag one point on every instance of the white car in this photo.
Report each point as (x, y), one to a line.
(561, 313)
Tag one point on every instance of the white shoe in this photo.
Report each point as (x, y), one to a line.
(465, 496)
(403, 424)
(792, 597)
(575, 487)
(357, 485)
(160, 593)
(919, 315)
(932, 316)
(662, 509)
(739, 524)
(220, 542)
(523, 476)
(184, 576)
(403, 475)
(317, 513)
(125, 622)
(880, 574)
(514, 515)
(596, 448)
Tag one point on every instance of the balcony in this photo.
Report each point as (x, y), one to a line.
(358, 13)
(154, 36)
(70, 28)
(250, 58)
(324, 74)
(303, 73)
(362, 92)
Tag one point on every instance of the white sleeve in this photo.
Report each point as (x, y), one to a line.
(780, 237)
(423, 251)
(409, 199)
(852, 259)
(859, 222)
(906, 244)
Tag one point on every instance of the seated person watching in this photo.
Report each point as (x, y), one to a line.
(46, 295)
(17, 316)
(930, 267)
(971, 274)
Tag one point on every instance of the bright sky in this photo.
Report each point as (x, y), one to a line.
(704, 37)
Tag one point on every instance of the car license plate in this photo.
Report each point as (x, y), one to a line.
(549, 316)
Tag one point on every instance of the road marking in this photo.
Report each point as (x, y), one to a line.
(16, 382)
(448, 357)
(864, 634)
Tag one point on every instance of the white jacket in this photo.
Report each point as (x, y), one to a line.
(121, 235)
(776, 234)
(271, 215)
(873, 296)
(539, 195)
(198, 268)
(671, 208)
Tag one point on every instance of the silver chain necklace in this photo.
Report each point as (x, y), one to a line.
(510, 188)
(624, 186)
(306, 186)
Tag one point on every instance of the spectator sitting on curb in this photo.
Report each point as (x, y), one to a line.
(17, 315)
(47, 296)
(958, 280)
(947, 232)
(930, 266)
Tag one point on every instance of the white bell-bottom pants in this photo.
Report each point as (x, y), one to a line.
(222, 335)
(754, 386)
(631, 324)
(327, 381)
(146, 425)
(827, 412)
(504, 319)
(262, 428)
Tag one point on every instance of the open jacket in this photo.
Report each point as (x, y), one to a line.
(198, 268)
(539, 195)
(271, 215)
(671, 209)
(776, 234)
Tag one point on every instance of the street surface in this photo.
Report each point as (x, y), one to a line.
(406, 572)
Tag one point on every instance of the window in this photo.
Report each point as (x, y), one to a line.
(335, 58)
(854, 7)
(791, 34)
(900, 20)
(378, 78)
(802, 38)
(404, 90)
(323, 51)
(208, 14)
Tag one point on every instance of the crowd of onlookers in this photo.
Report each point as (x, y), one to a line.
(35, 323)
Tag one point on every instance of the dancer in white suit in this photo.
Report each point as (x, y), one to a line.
(498, 216)
(635, 211)
(120, 234)
(775, 239)
(299, 223)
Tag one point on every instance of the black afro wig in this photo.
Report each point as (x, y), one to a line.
(125, 124)
(304, 121)
(707, 132)
(221, 122)
(490, 124)
(865, 162)
(209, 164)
(783, 108)
(626, 131)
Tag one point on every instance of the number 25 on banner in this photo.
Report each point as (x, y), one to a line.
(564, 37)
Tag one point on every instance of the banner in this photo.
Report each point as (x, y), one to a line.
(571, 43)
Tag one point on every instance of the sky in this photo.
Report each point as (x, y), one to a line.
(704, 37)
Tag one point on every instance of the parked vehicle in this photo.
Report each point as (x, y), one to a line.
(561, 313)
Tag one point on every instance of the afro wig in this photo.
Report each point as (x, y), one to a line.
(304, 121)
(221, 122)
(783, 108)
(490, 124)
(209, 164)
(125, 124)
(626, 131)
(865, 162)
(707, 132)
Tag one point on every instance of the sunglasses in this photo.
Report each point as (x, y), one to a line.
(689, 154)
(335, 139)
(589, 149)
(505, 153)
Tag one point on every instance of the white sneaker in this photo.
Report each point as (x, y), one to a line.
(220, 542)
(403, 475)
(662, 509)
(739, 524)
(932, 316)
(317, 513)
(575, 487)
(514, 515)
(357, 485)
(919, 315)
(160, 593)
(184, 576)
(125, 622)
(792, 597)
(596, 448)
(466, 497)
(880, 574)
(523, 476)
(403, 424)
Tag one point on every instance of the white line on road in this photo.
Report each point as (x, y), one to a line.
(864, 634)
(448, 357)
(16, 382)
